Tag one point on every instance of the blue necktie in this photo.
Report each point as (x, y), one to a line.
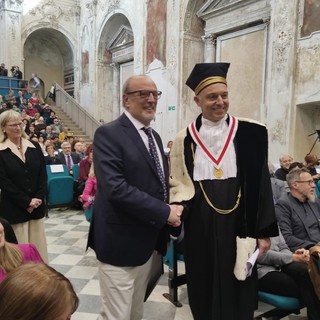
(154, 154)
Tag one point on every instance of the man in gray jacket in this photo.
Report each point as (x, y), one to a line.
(298, 212)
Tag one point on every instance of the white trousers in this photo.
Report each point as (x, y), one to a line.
(33, 232)
(123, 290)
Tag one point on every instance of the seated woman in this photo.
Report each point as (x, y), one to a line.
(285, 273)
(14, 255)
(51, 157)
(37, 291)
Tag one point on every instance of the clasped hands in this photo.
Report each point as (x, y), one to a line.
(174, 218)
(34, 203)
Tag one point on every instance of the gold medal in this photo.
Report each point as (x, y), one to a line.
(218, 172)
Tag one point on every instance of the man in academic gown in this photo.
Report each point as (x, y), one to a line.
(219, 173)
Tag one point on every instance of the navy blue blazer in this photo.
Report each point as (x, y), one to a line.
(130, 217)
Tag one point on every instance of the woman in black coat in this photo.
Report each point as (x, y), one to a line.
(23, 182)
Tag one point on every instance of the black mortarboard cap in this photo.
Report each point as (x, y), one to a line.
(204, 74)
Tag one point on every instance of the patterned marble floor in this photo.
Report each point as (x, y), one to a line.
(66, 232)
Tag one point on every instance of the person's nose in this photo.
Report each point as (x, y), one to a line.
(151, 97)
(219, 100)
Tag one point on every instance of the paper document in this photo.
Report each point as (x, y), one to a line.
(56, 168)
(251, 261)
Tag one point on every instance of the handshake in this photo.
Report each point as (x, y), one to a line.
(174, 218)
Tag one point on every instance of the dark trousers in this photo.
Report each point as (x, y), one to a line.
(293, 281)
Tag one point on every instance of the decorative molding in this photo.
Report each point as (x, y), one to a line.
(210, 39)
(284, 38)
(114, 4)
(278, 133)
(92, 7)
(172, 62)
(122, 38)
(12, 5)
(54, 13)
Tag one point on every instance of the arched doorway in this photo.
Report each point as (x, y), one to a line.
(49, 53)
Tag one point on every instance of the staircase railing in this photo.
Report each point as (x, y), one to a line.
(76, 112)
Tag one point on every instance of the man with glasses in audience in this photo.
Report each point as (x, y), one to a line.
(298, 212)
(129, 226)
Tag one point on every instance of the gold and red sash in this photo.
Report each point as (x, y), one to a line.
(216, 158)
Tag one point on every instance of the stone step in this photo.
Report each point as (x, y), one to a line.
(72, 126)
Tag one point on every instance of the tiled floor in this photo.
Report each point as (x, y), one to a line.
(66, 232)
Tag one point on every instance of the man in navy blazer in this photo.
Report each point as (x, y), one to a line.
(298, 213)
(131, 216)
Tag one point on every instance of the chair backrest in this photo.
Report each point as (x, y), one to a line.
(75, 170)
(60, 190)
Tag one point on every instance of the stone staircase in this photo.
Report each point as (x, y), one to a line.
(67, 122)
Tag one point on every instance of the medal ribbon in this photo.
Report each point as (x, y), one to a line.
(233, 125)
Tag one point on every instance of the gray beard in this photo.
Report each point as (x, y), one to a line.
(311, 197)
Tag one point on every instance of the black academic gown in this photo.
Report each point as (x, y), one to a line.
(210, 237)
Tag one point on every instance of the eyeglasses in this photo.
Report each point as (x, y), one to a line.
(145, 94)
(20, 124)
(310, 182)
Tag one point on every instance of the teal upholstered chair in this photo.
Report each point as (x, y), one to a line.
(283, 306)
(60, 187)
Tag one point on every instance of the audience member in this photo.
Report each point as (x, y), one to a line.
(285, 161)
(3, 70)
(16, 73)
(37, 291)
(24, 104)
(46, 113)
(31, 110)
(40, 126)
(279, 187)
(14, 255)
(79, 149)
(310, 162)
(34, 99)
(56, 126)
(3, 107)
(10, 96)
(19, 99)
(32, 131)
(51, 157)
(23, 182)
(51, 118)
(285, 273)
(294, 165)
(89, 193)
(64, 134)
(298, 212)
(67, 157)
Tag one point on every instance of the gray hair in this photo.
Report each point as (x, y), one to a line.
(5, 117)
(65, 144)
(294, 175)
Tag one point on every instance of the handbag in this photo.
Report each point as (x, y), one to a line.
(314, 268)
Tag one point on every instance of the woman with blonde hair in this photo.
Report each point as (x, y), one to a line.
(14, 255)
(37, 291)
(23, 182)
